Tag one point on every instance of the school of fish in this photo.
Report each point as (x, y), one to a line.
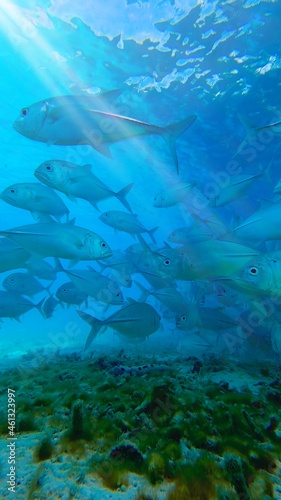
(204, 281)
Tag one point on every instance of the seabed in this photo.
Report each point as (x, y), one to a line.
(144, 427)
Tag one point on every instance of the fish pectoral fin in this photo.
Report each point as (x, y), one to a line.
(102, 148)
(71, 197)
(94, 205)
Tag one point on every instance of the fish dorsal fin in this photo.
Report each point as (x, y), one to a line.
(72, 222)
(110, 95)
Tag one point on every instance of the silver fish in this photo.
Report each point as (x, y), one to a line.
(13, 306)
(204, 318)
(23, 284)
(170, 297)
(76, 120)
(78, 182)
(234, 190)
(42, 269)
(49, 306)
(190, 234)
(60, 240)
(205, 260)
(35, 197)
(173, 195)
(96, 285)
(262, 225)
(128, 223)
(120, 268)
(137, 320)
(261, 276)
(71, 294)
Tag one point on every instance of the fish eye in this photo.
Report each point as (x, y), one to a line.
(103, 244)
(167, 262)
(12, 190)
(11, 280)
(183, 318)
(24, 112)
(48, 167)
(253, 271)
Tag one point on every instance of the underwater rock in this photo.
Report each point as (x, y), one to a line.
(197, 366)
(129, 455)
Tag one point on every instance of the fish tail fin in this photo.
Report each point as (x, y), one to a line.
(39, 306)
(58, 265)
(95, 324)
(121, 195)
(246, 123)
(251, 132)
(48, 288)
(173, 131)
(266, 173)
(151, 233)
(144, 292)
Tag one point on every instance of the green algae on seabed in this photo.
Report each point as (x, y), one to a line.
(186, 428)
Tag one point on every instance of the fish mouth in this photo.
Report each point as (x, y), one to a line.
(16, 125)
(106, 254)
(41, 176)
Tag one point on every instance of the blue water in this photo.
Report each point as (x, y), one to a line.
(171, 59)
(191, 412)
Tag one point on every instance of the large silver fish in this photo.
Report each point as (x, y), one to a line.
(53, 239)
(261, 276)
(34, 197)
(137, 320)
(262, 225)
(205, 260)
(78, 120)
(78, 182)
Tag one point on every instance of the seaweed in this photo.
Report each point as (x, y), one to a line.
(44, 450)
(236, 476)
